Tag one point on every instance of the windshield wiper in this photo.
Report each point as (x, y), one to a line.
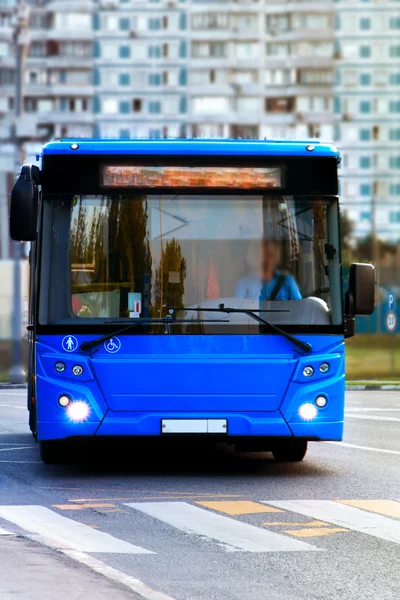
(305, 346)
(168, 320)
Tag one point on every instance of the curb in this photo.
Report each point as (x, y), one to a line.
(13, 386)
(372, 388)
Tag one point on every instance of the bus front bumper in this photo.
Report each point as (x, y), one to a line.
(253, 424)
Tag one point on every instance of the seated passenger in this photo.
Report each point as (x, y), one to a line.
(265, 281)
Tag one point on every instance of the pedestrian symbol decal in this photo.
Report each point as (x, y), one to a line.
(112, 345)
(69, 343)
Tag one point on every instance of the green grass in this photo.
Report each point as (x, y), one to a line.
(368, 358)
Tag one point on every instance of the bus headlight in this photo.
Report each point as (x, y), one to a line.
(308, 411)
(78, 411)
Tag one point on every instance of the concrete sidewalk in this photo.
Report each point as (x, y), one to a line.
(30, 571)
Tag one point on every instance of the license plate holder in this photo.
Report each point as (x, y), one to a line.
(194, 426)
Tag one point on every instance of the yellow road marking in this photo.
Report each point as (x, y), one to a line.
(239, 507)
(83, 506)
(109, 491)
(389, 508)
(139, 498)
(289, 524)
(310, 532)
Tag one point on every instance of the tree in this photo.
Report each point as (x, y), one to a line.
(170, 279)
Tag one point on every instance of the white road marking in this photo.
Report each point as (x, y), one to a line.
(13, 406)
(371, 418)
(378, 526)
(23, 462)
(368, 448)
(231, 534)
(5, 532)
(63, 533)
(137, 586)
(18, 448)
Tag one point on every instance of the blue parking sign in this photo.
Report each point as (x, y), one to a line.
(391, 300)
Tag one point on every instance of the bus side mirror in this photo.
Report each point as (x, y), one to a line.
(360, 297)
(24, 205)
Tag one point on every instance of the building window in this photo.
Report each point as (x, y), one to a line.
(182, 49)
(183, 105)
(394, 135)
(394, 162)
(365, 106)
(365, 215)
(365, 51)
(394, 106)
(165, 22)
(365, 79)
(124, 51)
(137, 105)
(183, 77)
(124, 107)
(365, 189)
(365, 162)
(365, 135)
(154, 133)
(165, 50)
(124, 24)
(395, 51)
(394, 216)
(124, 79)
(365, 23)
(394, 23)
(375, 132)
(124, 133)
(154, 107)
(279, 105)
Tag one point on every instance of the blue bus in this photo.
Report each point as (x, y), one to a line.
(187, 288)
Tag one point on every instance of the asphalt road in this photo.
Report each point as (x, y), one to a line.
(191, 525)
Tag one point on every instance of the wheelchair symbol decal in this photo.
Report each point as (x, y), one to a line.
(112, 345)
(69, 343)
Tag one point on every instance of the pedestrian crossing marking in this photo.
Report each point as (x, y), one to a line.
(64, 533)
(239, 507)
(310, 532)
(290, 524)
(389, 508)
(231, 534)
(342, 515)
(82, 506)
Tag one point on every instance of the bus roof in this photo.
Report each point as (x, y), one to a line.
(192, 147)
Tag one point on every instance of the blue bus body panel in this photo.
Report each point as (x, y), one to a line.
(192, 148)
(256, 382)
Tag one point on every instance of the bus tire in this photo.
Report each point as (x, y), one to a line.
(52, 452)
(290, 451)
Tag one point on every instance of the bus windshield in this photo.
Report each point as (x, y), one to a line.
(117, 257)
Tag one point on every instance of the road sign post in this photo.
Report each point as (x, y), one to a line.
(391, 324)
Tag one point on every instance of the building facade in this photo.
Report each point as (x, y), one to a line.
(367, 112)
(214, 68)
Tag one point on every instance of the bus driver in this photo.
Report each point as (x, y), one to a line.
(266, 282)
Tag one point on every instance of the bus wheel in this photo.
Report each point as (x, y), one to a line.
(52, 452)
(290, 451)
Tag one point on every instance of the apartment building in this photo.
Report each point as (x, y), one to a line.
(214, 68)
(141, 55)
(58, 75)
(367, 112)
(261, 69)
